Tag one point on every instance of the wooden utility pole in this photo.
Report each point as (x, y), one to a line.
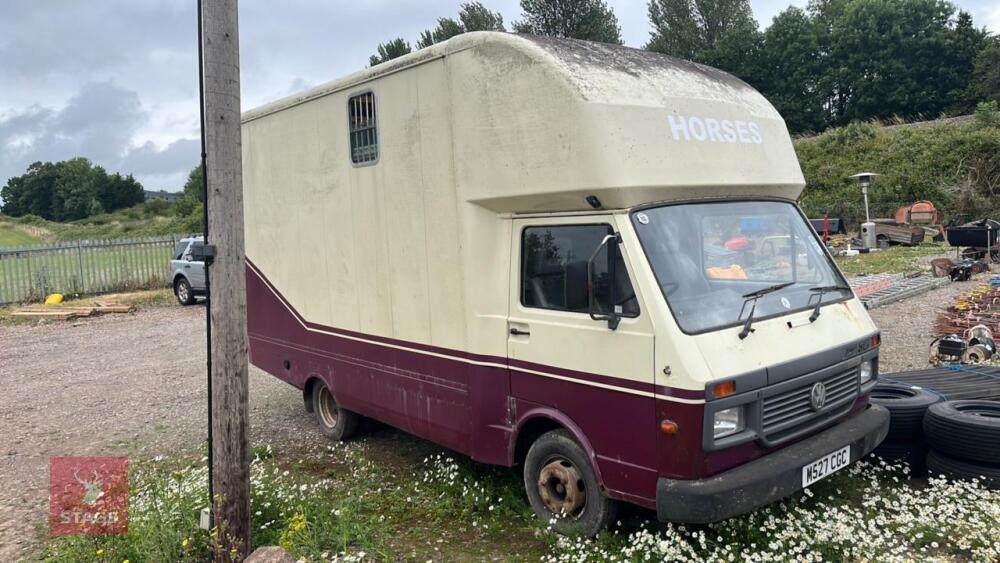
(228, 365)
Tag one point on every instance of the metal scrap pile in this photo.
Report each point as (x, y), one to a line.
(975, 316)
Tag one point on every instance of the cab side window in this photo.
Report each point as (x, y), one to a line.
(554, 271)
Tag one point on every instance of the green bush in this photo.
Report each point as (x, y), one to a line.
(956, 166)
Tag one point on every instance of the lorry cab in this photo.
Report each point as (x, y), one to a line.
(581, 260)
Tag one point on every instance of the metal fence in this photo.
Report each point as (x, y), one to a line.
(30, 273)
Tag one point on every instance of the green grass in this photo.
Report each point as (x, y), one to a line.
(11, 236)
(893, 260)
(338, 502)
(356, 502)
(70, 271)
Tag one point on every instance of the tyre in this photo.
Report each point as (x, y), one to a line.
(561, 484)
(966, 430)
(907, 405)
(940, 464)
(334, 421)
(183, 292)
(913, 453)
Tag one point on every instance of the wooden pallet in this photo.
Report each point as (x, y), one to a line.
(66, 313)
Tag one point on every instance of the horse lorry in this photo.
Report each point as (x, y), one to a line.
(579, 259)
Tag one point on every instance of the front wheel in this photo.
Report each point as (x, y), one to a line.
(182, 289)
(561, 485)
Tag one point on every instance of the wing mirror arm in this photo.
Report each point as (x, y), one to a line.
(611, 241)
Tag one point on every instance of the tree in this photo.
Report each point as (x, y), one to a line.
(476, 17)
(962, 47)
(69, 190)
(789, 70)
(194, 187)
(391, 50)
(446, 29)
(899, 58)
(591, 20)
(985, 82)
(190, 205)
(720, 33)
(472, 16)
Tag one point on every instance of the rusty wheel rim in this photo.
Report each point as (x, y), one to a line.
(327, 408)
(562, 488)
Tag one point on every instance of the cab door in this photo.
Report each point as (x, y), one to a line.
(564, 361)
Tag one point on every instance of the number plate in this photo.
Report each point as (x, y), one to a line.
(826, 465)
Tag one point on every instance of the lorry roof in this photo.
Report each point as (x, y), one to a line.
(574, 57)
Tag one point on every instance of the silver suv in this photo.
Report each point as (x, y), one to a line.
(187, 270)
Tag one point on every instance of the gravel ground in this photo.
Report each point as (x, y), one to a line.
(114, 385)
(135, 385)
(908, 326)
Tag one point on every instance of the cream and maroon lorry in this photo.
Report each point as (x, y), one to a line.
(580, 259)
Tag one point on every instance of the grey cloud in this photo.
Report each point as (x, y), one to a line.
(147, 160)
(98, 122)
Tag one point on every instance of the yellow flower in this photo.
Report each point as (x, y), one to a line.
(185, 542)
(100, 552)
(125, 561)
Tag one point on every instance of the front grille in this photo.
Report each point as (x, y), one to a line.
(787, 414)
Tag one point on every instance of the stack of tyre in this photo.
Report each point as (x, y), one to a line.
(957, 439)
(964, 440)
(905, 442)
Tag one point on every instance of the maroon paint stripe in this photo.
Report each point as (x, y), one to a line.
(591, 377)
(679, 393)
(355, 361)
(544, 368)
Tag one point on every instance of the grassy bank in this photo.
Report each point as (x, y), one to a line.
(12, 235)
(153, 218)
(954, 164)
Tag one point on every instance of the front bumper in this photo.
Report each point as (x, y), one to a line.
(766, 479)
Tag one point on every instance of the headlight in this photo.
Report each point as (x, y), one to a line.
(728, 422)
(866, 371)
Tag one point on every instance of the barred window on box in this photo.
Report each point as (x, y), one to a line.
(363, 128)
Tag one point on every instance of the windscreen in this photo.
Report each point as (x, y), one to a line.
(707, 257)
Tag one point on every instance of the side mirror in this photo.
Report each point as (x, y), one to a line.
(613, 317)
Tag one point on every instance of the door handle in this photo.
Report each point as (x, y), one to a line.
(188, 267)
(519, 332)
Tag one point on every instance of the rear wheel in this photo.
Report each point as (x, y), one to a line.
(334, 421)
(561, 485)
(183, 291)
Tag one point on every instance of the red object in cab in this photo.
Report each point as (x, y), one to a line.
(737, 244)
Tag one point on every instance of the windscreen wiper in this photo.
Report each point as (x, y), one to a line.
(819, 300)
(752, 297)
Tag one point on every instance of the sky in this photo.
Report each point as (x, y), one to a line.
(116, 81)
